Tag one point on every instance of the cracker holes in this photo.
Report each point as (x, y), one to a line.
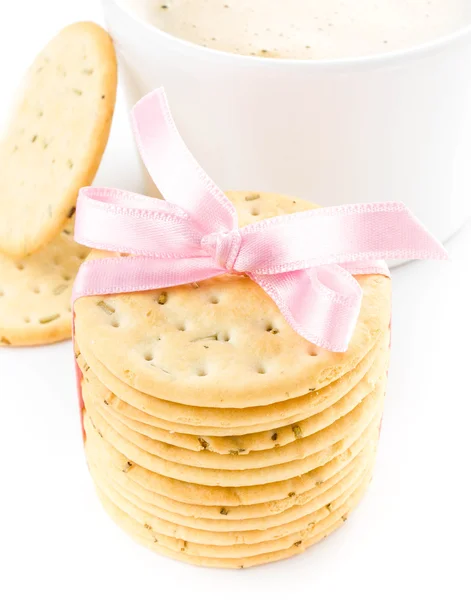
(66, 277)
(255, 211)
(201, 372)
(148, 355)
(83, 255)
(214, 300)
(115, 322)
(261, 370)
(181, 327)
(26, 319)
(270, 328)
(35, 289)
(312, 351)
(20, 266)
(223, 337)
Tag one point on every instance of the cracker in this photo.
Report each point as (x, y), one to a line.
(237, 543)
(236, 476)
(300, 447)
(56, 137)
(242, 444)
(213, 421)
(145, 537)
(263, 509)
(203, 495)
(222, 343)
(35, 292)
(323, 498)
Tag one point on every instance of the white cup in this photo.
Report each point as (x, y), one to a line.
(391, 127)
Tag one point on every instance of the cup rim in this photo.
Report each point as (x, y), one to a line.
(373, 60)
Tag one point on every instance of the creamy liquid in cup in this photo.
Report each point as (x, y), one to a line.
(305, 29)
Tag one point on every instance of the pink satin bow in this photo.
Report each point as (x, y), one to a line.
(304, 261)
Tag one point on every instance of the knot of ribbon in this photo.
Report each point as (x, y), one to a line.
(224, 246)
(304, 261)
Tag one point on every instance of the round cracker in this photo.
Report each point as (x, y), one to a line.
(221, 523)
(146, 538)
(230, 513)
(35, 293)
(223, 342)
(300, 447)
(275, 437)
(223, 477)
(237, 543)
(213, 421)
(275, 493)
(56, 137)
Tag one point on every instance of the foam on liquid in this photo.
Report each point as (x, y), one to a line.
(305, 29)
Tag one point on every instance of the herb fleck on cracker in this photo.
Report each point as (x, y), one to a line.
(59, 289)
(213, 336)
(224, 511)
(291, 494)
(298, 432)
(71, 212)
(127, 467)
(34, 138)
(109, 310)
(77, 91)
(298, 543)
(251, 197)
(87, 71)
(237, 452)
(49, 318)
(162, 299)
(203, 443)
(147, 526)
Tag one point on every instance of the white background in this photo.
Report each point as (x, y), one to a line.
(410, 536)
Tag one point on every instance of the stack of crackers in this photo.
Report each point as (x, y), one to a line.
(52, 146)
(217, 435)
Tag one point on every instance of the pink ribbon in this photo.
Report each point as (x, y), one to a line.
(304, 261)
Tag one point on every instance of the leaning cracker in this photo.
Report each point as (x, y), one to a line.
(57, 134)
(35, 293)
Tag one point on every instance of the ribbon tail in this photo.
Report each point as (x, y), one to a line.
(322, 304)
(356, 233)
(119, 275)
